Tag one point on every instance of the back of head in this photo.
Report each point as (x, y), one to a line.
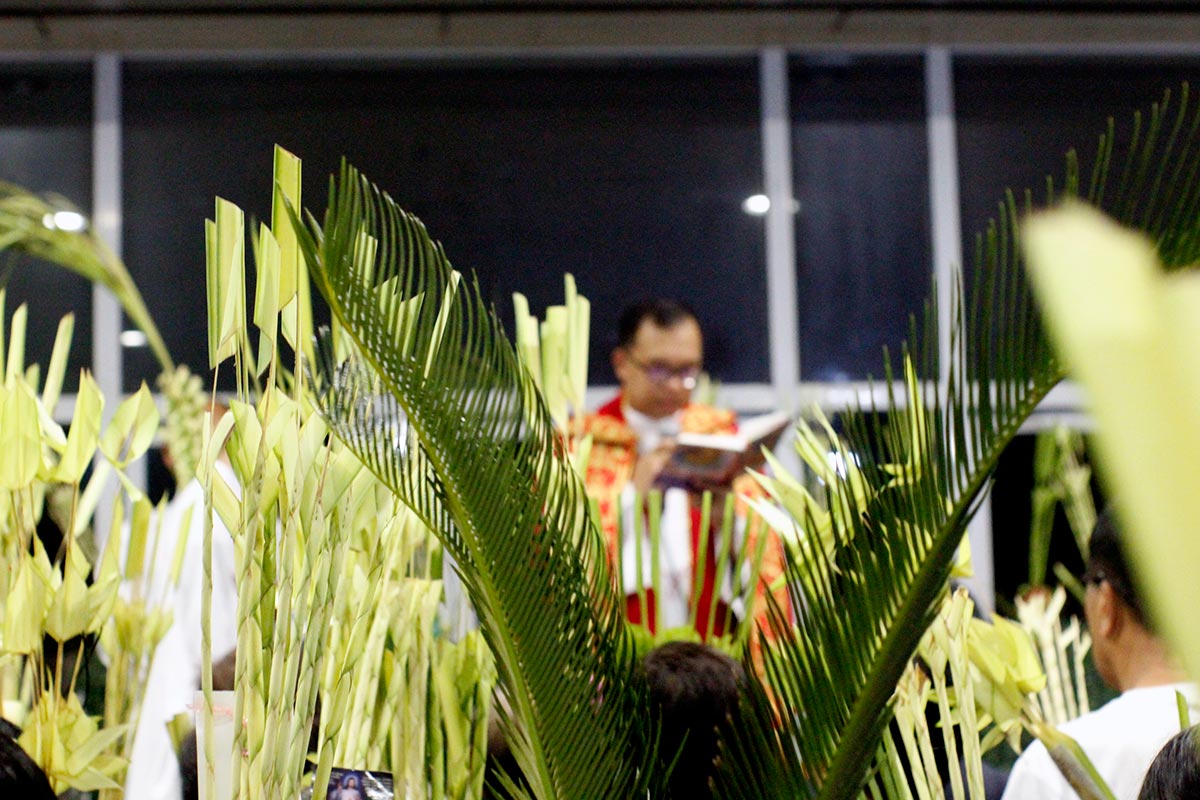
(661, 311)
(1107, 562)
(19, 775)
(695, 690)
(1175, 771)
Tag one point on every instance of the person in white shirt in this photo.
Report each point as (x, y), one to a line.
(153, 772)
(1122, 737)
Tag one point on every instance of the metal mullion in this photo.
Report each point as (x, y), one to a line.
(780, 230)
(107, 319)
(782, 311)
(946, 236)
(106, 218)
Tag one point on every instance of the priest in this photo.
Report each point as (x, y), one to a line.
(657, 360)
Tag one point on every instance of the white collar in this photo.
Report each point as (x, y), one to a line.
(650, 431)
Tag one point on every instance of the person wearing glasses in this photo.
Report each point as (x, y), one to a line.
(657, 360)
(1123, 736)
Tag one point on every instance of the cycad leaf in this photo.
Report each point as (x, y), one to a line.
(864, 608)
(436, 405)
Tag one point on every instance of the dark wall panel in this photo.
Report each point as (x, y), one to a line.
(862, 224)
(630, 176)
(1017, 118)
(46, 147)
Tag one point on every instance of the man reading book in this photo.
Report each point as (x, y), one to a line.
(657, 360)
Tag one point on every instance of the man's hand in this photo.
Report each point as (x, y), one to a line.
(645, 472)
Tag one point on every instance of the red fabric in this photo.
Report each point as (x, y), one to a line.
(633, 610)
(708, 586)
(612, 409)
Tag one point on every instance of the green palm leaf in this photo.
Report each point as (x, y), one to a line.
(864, 606)
(25, 228)
(479, 460)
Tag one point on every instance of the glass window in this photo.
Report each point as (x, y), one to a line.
(862, 219)
(1017, 118)
(629, 175)
(46, 147)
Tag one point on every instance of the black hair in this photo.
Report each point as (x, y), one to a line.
(663, 312)
(1175, 771)
(20, 776)
(694, 690)
(1107, 562)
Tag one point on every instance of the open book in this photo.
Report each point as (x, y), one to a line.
(712, 460)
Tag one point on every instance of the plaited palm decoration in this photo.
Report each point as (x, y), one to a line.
(28, 227)
(490, 478)
(484, 467)
(1061, 477)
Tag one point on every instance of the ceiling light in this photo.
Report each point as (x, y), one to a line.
(71, 221)
(133, 338)
(756, 205)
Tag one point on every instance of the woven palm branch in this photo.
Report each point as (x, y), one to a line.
(420, 380)
(816, 731)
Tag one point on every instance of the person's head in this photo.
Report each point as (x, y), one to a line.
(1112, 605)
(19, 775)
(694, 688)
(1175, 771)
(658, 356)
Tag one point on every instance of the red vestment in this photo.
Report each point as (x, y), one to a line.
(610, 468)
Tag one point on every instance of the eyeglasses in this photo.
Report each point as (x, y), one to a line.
(661, 373)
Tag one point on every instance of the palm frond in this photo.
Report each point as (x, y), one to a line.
(419, 379)
(27, 227)
(864, 606)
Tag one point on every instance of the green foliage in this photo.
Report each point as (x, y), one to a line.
(338, 582)
(27, 227)
(419, 380)
(48, 602)
(482, 464)
(1061, 477)
(864, 605)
